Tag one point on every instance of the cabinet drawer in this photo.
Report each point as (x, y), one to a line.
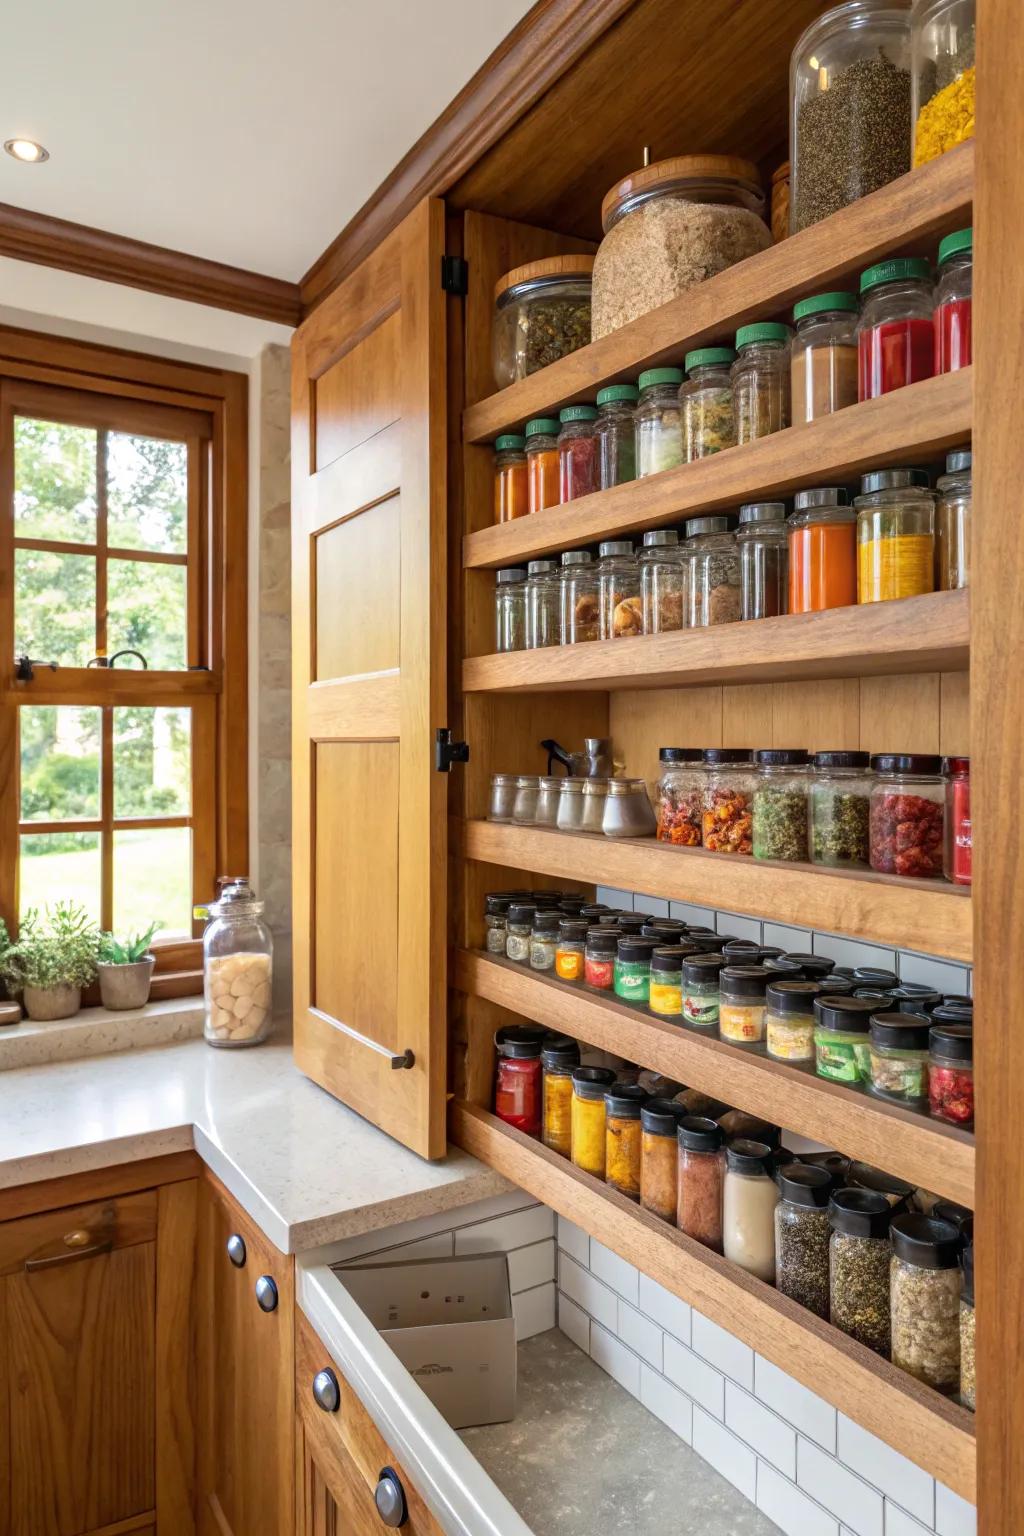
(75, 1232)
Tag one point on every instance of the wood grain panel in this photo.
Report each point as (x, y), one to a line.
(746, 716)
(358, 395)
(94, 1184)
(818, 716)
(355, 709)
(955, 714)
(121, 1221)
(358, 593)
(175, 1356)
(641, 722)
(900, 714)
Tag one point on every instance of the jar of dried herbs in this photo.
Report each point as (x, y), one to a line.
(859, 1260)
(708, 423)
(802, 1235)
(925, 1288)
(623, 1103)
(658, 421)
(967, 1389)
(840, 799)
(760, 380)
(616, 434)
(763, 542)
(780, 804)
(541, 313)
(662, 581)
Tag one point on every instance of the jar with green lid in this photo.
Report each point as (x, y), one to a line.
(925, 1300)
(618, 576)
(895, 535)
(495, 918)
(760, 380)
(559, 1058)
(954, 301)
(542, 473)
(659, 440)
(789, 1019)
(763, 542)
(967, 1367)
(577, 452)
(662, 581)
(633, 969)
(543, 604)
(706, 400)
(518, 929)
(580, 601)
(823, 361)
(780, 804)
(510, 489)
(666, 985)
(899, 1057)
(859, 1262)
(895, 332)
(543, 939)
(589, 1086)
(840, 798)
(841, 1048)
(712, 573)
(953, 523)
(701, 989)
(623, 1103)
(510, 609)
(741, 1003)
(802, 1235)
(616, 434)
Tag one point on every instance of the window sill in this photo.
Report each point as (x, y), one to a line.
(101, 1031)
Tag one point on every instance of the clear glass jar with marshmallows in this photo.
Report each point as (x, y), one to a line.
(238, 963)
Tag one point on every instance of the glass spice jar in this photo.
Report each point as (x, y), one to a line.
(789, 1019)
(780, 804)
(859, 1262)
(543, 604)
(542, 469)
(517, 1094)
(967, 1367)
(510, 609)
(559, 1058)
(700, 1177)
(839, 807)
(823, 360)
(543, 938)
(618, 576)
(659, 440)
(503, 796)
(495, 923)
(570, 948)
(742, 1003)
(708, 423)
(953, 523)
(580, 600)
(595, 795)
(238, 965)
(953, 302)
(666, 984)
(895, 535)
(510, 489)
(951, 1074)
(957, 851)
(895, 332)
(906, 815)
(898, 1193)
(726, 818)
(898, 1044)
(662, 581)
(578, 473)
(570, 805)
(616, 435)
(524, 807)
(760, 380)
(628, 811)
(763, 543)
(599, 958)
(518, 928)
(549, 793)
(942, 49)
(749, 1198)
(712, 574)
(802, 1235)
(822, 551)
(659, 1123)
(633, 969)
(925, 1296)
(701, 989)
(680, 790)
(841, 1046)
(589, 1086)
(541, 313)
(623, 1103)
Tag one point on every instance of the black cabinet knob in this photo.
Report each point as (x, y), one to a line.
(236, 1250)
(389, 1497)
(326, 1392)
(266, 1293)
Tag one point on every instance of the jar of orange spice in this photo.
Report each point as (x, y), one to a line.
(659, 1123)
(510, 496)
(542, 473)
(822, 551)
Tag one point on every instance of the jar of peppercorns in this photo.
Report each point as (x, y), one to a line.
(680, 791)
(727, 798)
(906, 817)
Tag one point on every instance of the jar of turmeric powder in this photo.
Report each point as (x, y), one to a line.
(659, 1125)
(623, 1104)
(895, 535)
(559, 1059)
(589, 1085)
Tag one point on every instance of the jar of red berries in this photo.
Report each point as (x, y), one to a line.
(906, 818)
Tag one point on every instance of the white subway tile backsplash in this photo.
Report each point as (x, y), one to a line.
(792, 1511)
(697, 917)
(899, 1523)
(764, 1431)
(621, 900)
(810, 1414)
(531, 1266)
(506, 1232)
(727, 1455)
(668, 1311)
(437, 1247)
(953, 1515)
(574, 1322)
(572, 1239)
(581, 1287)
(697, 1379)
(898, 1478)
(842, 1493)
(723, 1350)
(607, 1266)
(671, 1407)
(926, 971)
(787, 938)
(534, 1311)
(852, 951)
(739, 926)
(640, 1334)
(654, 906)
(612, 1356)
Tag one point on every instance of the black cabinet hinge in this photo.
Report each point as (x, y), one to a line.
(447, 751)
(455, 275)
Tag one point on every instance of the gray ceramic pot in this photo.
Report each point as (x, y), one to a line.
(126, 986)
(46, 1003)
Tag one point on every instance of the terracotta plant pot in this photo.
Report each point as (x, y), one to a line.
(126, 986)
(46, 1003)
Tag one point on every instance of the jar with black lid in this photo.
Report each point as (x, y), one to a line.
(839, 809)
(742, 1003)
(907, 815)
(789, 1019)
(747, 951)
(841, 1040)
(951, 1072)
(700, 1179)
(495, 919)
(967, 1372)
(802, 1235)
(876, 976)
(680, 790)
(518, 928)
(749, 1199)
(543, 939)
(623, 1103)
(908, 997)
(659, 1122)
(599, 958)
(666, 982)
(763, 541)
(727, 815)
(589, 1086)
(897, 1191)
(814, 967)
(559, 1057)
(570, 948)
(633, 969)
(780, 805)
(517, 1094)
(899, 1057)
(667, 930)
(859, 1262)
(701, 989)
(925, 1282)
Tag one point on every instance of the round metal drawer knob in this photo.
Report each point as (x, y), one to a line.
(236, 1250)
(389, 1497)
(266, 1293)
(326, 1392)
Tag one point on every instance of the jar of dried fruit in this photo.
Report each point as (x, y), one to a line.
(238, 963)
(907, 801)
(662, 581)
(679, 796)
(580, 601)
(925, 1284)
(712, 574)
(618, 578)
(728, 793)
(541, 313)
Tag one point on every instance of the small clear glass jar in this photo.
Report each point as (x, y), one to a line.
(543, 940)
(763, 542)
(942, 49)
(712, 574)
(623, 1103)
(559, 1059)
(895, 332)
(510, 490)
(618, 578)
(898, 1044)
(543, 604)
(541, 313)
(517, 1093)
(839, 809)
(859, 1261)
(495, 923)
(700, 1179)
(549, 793)
(589, 1086)
(760, 380)
(741, 1003)
(907, 815)
(708, 422)
(616, 435)
(967, 1367)
(666, 988)
(595, 795)
(238, 969)
(749, 1198)
(510, 609)
(633, 969)
(895, 535)
(823, 356)
(822, 550)
(789, 1019)
(728, 795)
(570, 805)
(503, 796)
(518, 929)
(628, 811)
(524, 808)
(570, 949)
(841, 1046)
(663, 564)
(542, 469)
(578, 471)
(953, 523)
(599, 958)
(951, 1074)
(680, 796)
(659, 439)
(580, 598)
(701, 990)
(802, 1235)
(659, 1123)
(954, 302)
(780, 805)
(925, 1293)
(958, 843)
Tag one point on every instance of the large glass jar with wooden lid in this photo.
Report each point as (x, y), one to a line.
(541, 313)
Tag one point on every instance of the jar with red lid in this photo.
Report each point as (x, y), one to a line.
(578, 466)
(517, 1094)
(895, 333)
(953, 302)
(951, 1071)
(906, 815)
(957, 862)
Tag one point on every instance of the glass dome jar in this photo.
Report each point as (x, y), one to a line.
(896, 329)
(712, 573)
(510, 609)
(708, 423)
(763, 542)
(760, 380)
(954, 302)
(618, 578)
(942, 49)
(662, 581)
(895, 535)
(849, 88)
(543, 604)
(658, 422)
(823, 356)
(238, 966)
(616, 435)
(953, 523)
(580, 598)
(541, 313)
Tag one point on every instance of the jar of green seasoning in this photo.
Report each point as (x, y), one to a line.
(706, 399)
(633, 969)
(659, 439)
(701, 989)
(841, 1047)
(616, 434)
(780, 805)
(840, 800)
(760, 380)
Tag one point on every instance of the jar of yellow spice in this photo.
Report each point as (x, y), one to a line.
(589, 1085)
(559, 1059)
(942, 52)
(623, 1137)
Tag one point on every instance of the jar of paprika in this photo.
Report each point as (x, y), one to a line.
(700, 1180)
(578, 472)
(895, 333)
(822, 551)
(659, 1123)
(953, 302)
(517, 1096)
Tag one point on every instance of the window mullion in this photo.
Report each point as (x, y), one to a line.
(107, 818)
(101, 543)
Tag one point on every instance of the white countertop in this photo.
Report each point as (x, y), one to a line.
(307, 1170)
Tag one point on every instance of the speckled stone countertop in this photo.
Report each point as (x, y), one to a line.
(584, 1458)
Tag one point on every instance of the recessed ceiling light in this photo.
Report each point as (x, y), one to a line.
(26, 150)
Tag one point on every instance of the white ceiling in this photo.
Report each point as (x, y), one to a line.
(246, 131)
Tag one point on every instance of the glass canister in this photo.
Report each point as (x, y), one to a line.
(760, 380)
(578, 472)
(841, 1047)
(898, 1045)
(543, 601)
(559, 1059)
(741, 1003)
(658, 422)
(802, 1235)
(942, 110)
(680, 790)
(749, 1198)
(895, 535)
(510, 492)
(763, 542)
(524, 807)
(701, 989)
(570, 805)
(589, 1086)
(859, 1262)
(662, 581)
(503, 796)
(599, 958)
(953, 302)
(541, 313)
(780, 804)
(712, 573)
(822, 550)
(967, 1367)
(906, 817)
(628, 811)
(510, 609)
(789, 1019)
(580, 598)
(618, 576)
(659, 1122)
(616, 434)
(633, 969)
(823, 356)
(570, 948)
(708, 422)
(728, 794)
(895, 332)
(849, 85)
(238, 967)
(925, 1296)
(623, 1103)
(951, 1074)
(517, 1093)
(953, 523)
(542, 469)
(839, 802)
(518, 928)
(595, 796)
(700, 1177)
(958, 838)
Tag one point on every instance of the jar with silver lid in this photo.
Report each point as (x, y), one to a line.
(524, 809)
(543, 604)
(712, 572)
(763, 541)
(580, 602)
(570, 805)
(953, 523)
(595, 793)
(628, 811)
(548, 796)
(503, 796)
(510, 609)
(662, 581)
(238, 963)
(619, 589)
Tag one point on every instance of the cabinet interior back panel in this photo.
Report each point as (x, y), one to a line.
(358, 593)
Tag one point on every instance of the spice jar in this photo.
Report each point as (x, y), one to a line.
(967, 1369)
(517, 1094)
(789, 1019)
(708, 423)
(942, 47)
(666, 985)
(850, 101)
(727, 800)
(671, 225)
(623, 1103)
(616, 435)
(780, 804)
(802, 1235)
(628, 811)
(543, 938)
(925, 1291)
(238, 965)
(839, 805)
(907, 815)
(658, 422)
(896, 1191)
(822, 551)
(841, 1024)
(580, 600)
(958, 842)
(823, 367)
(543, 604)
(570, 805)
(541, 313)
(595, 795)
(510, 491)
(713, 572)
(895, 332)
(952, 319)
(749, 1198)
(518, 928)
(895, 535)
(599, 958)
(951, 1074)
(495, 921)
(859, 1261)
(503, 796)
(542, 472)
(589, 1085)
(559, 1058)
(742, 1003)
(662, 581)
(510, 609)
(570, 948)
(763, 544)
(659, 1122)
(953, 523)
(701, 989)
(618, 578)
(898, 1044)
(633, 969)
(680, 796)
(578, 473)
(524, 807)
(760, 380)
(700, 1179)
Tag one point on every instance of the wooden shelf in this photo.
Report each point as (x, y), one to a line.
(926, 915)
(911, 1146)
(923, 205)
(910, 426)
(936, 1434)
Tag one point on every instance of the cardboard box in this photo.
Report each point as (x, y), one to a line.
(450, 1323)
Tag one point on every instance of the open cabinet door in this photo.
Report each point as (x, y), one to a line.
(369, 619)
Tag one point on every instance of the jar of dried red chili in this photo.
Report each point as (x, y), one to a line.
(578, 465)
(517, 1094)
(906, 817)
(957, 771)
(951, 1073)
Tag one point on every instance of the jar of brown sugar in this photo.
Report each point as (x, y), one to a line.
(700, 1180)
(823, 363)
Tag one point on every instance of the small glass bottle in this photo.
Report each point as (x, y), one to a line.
(925, 1292)
(580, 598)
(510, 480)
(659, 1122)
(589, 1086)
(510, 609)
(680, 796)
(616, 434)
(712, 573)
(951, 1074)
(578, 473)
(659, 440)
(559, 1059)
(518, 928)
(906, 818)
(760, 380)
(662, 581)
(503, 796)
(727, 817)
(543, 938)
(618, 577)
(571, 948)
(839, 802)
(895, 535)
(823, 365)
(780, 805)
(763, 542)
(749, 1198)
(599, 958)
(958, 847)
(859, 1262)
(708, 424)
(238, 968)
(895, 332)
(633, 969)
(953, 523)
(742, 1003)
(898, 1043)
(495, 921)
(524, 807)
(789, 1018)
(542, 470)
(543, 601)
(701, 989)
(822, 550)
(623, 1103)
(953, 302)
(700, 1177)
(802, 1235)
(517, 1094)
(967, 1370)
(548, 795)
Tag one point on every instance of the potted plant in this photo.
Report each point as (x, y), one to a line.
(53, 959)
(126, 969)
